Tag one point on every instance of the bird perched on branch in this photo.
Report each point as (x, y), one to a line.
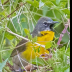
(26, 50)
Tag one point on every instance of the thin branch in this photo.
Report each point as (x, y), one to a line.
(23, 37)
(20, 61)
(13, 48)
(14, 11)
(5, 2)
(63, 32)
(17, 35)
(12, 68)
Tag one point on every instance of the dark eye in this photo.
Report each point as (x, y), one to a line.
(45, 24)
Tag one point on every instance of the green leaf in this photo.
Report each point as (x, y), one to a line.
(59, 29)
(2, 39)
(39, 49)
(66, 11)
(62, 49)
(36, 3)
(16, 2)
(33, 3)
(38, 61)
(49, 3)
(48, 45)
(34, 49)
(67, 70)
(11, 26)
(58, 13)
(57, 2)
(62, 4)
(65, 38)
(68, 52)
(2, 1)
(23, 24)
(28, 34)
(48, 0)
(29, 37)
(34, 39)
(9, 36)
(7, 54)
(23, 20)
(16, 25)
(3, 64)
(45, 8)
(19, 23)
(1, 29)
(26, 31)
(30, 1)
(3, 13)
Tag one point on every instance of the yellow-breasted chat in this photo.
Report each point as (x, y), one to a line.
(27, 50)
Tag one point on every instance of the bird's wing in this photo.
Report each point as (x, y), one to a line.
(20, 47)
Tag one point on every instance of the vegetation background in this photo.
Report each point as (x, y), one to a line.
(18, 15)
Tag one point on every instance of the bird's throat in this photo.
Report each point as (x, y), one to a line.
(46, 36)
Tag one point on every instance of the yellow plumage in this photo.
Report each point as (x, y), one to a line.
(33, 50)
(47, 36)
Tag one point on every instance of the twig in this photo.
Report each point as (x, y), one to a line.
(24, 38)
(20, 61)
(12, 68)
(17, 35)
(63, 32)
(5, 2)
(14, 11)
(13, 48)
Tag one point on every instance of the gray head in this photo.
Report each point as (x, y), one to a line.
(44, 24)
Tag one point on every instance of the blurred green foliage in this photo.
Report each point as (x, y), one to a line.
(26, 17)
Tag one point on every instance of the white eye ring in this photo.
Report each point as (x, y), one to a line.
(45, 23)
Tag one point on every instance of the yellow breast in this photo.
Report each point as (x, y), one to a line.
(47, 36)
(34, 50)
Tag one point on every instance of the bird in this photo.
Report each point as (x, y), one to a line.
(26, 50)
